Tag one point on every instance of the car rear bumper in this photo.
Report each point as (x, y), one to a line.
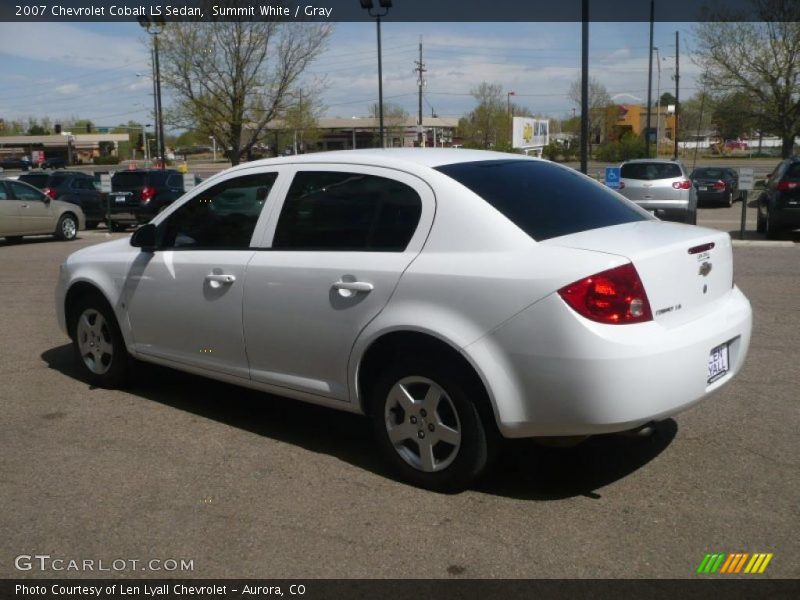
(555, 373)
(713, 196)
(785, 217)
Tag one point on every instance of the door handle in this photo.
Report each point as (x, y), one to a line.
(349, 288)
(217, 281)
(24, 206)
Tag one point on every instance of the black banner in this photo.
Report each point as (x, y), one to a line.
(400, 11)
(387, 589)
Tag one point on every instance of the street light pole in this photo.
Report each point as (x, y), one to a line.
(369, 6)
(649, 83)
(658, 100)
(155, 27)
(214, 146)
(508, 100)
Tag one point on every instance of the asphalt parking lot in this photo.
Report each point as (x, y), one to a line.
(249, 485)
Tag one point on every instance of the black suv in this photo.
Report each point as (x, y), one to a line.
(74, 187)
(779, 204)
(137, 195)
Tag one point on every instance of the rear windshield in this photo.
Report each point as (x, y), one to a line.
(129, 179)
(711, 173)
(793, 172)
(542, 199)
(650, 171)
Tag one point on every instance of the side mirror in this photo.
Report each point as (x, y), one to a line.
(145, 238)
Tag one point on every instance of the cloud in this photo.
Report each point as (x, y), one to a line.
(68, 88)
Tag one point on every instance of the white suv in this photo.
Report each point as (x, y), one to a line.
(453, 296)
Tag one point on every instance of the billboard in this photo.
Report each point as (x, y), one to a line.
(530, 133)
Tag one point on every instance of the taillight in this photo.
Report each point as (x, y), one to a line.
(786, 186)
(720, 185)
(50, 192)
(615, 297)
(147, 193)
(684, 184)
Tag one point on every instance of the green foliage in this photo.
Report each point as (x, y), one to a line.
(626, 148)
(106, 160)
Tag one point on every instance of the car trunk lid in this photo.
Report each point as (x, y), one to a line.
(684, 269)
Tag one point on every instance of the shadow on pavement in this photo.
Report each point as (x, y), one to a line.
(525, 470)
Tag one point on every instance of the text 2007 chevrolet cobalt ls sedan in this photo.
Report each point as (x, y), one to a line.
(454, 296)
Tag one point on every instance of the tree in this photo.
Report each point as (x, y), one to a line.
(667, 99)
(599, 99)
(232, 78)
(394, 121)
(733, 114)
(695, 115)
(487, 125)
(760, 59)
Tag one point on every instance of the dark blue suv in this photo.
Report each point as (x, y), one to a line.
(779, 203)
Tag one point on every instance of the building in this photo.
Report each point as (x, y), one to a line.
(632, 118)
(363, 132)
(79, 148)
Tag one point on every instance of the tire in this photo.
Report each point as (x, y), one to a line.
(772, 232)
(114, 226)
(438, 439)
(729, 200)
(67, 228)
(98, 343)
(91, 224)
(761, 225)
(691, 217)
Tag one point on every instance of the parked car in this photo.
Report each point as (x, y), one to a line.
(536, 303)
(137, 195)
(660, 186)
(717, 185)
(22, 163)
(24, 210)
(54, 162)
(779, 203)
(74, 187)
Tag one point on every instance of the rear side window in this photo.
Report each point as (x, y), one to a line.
(711, 173)
(542, 199)
(38, 180)
(57, 179)
(650, 171)
(175, 180)
(327, 210)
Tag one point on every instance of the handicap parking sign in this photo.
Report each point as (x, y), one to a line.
(612, 177)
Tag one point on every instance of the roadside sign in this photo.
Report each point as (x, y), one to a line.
(746, 180)
(612, 177)
(188, 181)
(105, 183)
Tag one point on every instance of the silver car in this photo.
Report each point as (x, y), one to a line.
(662, 187)
(24, 210)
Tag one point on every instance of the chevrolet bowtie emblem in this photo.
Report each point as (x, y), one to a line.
(705, 269)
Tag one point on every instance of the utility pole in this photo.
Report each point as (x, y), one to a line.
(677, 89)
(649, 84)
(584, 85)
(420, 69)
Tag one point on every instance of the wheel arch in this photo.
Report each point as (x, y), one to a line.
(79, 290)
(387, 345)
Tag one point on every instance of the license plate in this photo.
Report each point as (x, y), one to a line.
(717, 363)
(702, 188)
(119, 198)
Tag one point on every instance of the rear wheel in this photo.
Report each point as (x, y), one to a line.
(99, 344)
(425, 417)
(729, 199)
(769, 228)
(67, 228)
(114, 226)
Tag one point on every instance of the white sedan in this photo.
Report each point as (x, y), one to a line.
(454, 296)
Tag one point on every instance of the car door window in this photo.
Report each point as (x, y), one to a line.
(175, 181)
(24, 192)
(3, 193)
(329, 210)
(222, 217)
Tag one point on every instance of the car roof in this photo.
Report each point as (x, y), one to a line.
(663, 161)
(391, 157)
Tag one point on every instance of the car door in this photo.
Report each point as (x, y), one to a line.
(36, 214)
(184, 300)
(335, 252)
(9, 212)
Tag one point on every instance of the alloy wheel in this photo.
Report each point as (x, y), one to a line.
(422, 424)
(94, 341)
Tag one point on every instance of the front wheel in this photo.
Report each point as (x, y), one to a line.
(425, 417)
(691, 217)
(115, 226)
(99, 344)
(67, 228)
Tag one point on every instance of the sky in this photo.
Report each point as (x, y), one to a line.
(101, 71)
